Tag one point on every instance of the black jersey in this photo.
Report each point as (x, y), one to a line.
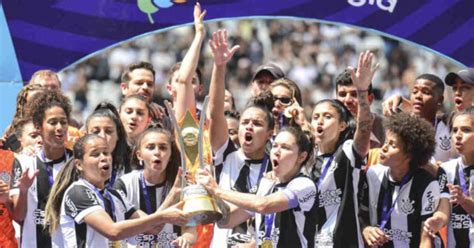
(460, 228)
(413, 202)
(131, 185)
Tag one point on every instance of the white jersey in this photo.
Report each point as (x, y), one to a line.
(229, 161)
(444, 149)
(338, 224)
(130, 185)
(33, 232)
(461, 227)
(413, 203)
(80, 200)
(296, 226)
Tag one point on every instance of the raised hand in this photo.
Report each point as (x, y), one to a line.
(26, 180)
(362, 77)
(220, 48)
(199, 19)
(457, 195)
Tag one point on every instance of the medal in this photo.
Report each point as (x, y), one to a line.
(267, 243)
(115, 244)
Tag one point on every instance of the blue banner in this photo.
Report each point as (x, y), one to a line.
(53, 34)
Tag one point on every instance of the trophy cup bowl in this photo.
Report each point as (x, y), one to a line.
(198, 204)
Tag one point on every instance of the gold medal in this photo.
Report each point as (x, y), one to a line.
(267, 243)
(115, 244)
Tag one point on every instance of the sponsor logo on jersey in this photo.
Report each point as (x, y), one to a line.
(330, 197)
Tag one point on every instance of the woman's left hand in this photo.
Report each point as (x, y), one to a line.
(181, 242)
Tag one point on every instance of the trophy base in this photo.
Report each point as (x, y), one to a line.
(200, 206)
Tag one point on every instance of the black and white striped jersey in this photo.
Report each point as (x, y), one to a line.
(413, 203)
(228, 162)
(80, 200)
(33, 233)
(130, 185)
(296, 226)
(338, 225)
(460, 228)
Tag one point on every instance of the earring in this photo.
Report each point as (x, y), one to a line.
(141, 163)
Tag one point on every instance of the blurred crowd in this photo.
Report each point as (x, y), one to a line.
(311, 53)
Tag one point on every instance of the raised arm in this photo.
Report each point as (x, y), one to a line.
(185, 98)
(362, 79)
(221, 54)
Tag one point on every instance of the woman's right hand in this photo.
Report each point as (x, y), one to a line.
(374, 236)
(205, 178)
(175, 215)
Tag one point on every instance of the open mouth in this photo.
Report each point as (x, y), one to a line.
(275, 163)
(248, 137)
(458, 101)
(132, 125)
(319, 130)
(156, 161)
(105, 168)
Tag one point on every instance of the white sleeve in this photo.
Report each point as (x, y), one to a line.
(355, 159)
(219, 154)
(79, 202)
(430, 200)
(301, 192)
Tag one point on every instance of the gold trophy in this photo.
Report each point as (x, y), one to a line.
(190, 138)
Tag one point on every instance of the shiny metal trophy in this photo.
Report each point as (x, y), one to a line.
(190, 137)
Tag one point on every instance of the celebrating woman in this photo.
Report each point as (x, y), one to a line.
(339, 161)
(400, 195)
(157, 155)
(460, 174)
(135, 116)
(105, 122)
(286, 209)
(83, 212)
(50, 112)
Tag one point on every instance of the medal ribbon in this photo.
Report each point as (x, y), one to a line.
(146, 196)
(49, 169)
(325, 171)
(387, 212)
(97, 191)
(269, 225)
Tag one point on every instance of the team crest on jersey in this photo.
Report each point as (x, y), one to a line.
(445, 143)
(407, 206)
(5, 177)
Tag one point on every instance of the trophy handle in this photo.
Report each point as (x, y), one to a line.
(202, 122)
(180, 143)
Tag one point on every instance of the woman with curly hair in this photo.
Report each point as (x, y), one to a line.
(50, 111)
(399, 195)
